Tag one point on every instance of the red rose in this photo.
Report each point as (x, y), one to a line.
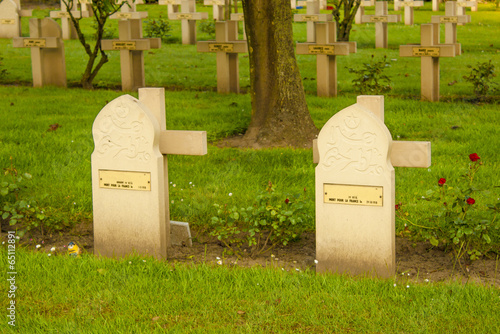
(470, 201)
(441, 181)
(474, 157)
(287, 201)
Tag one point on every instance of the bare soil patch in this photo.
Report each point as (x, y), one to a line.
(416, 261)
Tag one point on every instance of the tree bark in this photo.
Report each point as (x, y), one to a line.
(279, 111)
(344, 12)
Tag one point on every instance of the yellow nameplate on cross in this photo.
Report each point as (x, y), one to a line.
(124, 45)
(29, 42)
(378, 19)
(422, 52)
(220, 47)
(124, 15)
(322, 49)
(8, 21)
(353, 195)
(448, 19)
(184, 16)
(62, 14)
(313, 18)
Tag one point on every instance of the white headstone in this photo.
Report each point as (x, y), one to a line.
(355, 190)
(128, 181)
(10, 22)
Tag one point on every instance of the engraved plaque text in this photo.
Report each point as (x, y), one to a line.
(29, 42)
(322, 49)
(220, 47)
(429, 52)
(113, 179)
(353, 195)
(130, 45)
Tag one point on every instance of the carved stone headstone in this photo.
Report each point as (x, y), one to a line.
(355, 189)
(130, 176)
(10, 18)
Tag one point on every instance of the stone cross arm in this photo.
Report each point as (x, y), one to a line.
(227, 47)
(450, 19)
(63, 14)
(213, 2)
(132, 44)
(332, 49)
(169, 2)
(381, 18)
(43, 42)
(403, 153)
(183, 142)
(312, 17)
(129, 16)
(188, 16)
(434, 51)
(411, 3)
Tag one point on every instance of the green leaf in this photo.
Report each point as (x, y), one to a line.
(434, 242)
(487, 238)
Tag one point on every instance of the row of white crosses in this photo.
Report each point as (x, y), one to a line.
(68, 28)
(10, 18)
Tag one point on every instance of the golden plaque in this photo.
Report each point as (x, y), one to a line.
(353, 195)
(448, 19)
(378, 19)
(322, 49)
(113, 179)
(34, 42)
(184, 16)
(125, 45)
(124, 15)
(8, 21)
(426, 52)
(310, 18)
(224, 47)
(62, 14)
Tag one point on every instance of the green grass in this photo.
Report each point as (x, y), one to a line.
(142, 295)
(89, 295)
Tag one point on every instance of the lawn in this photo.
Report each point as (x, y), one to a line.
(138, 294)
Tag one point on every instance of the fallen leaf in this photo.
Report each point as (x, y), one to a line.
(54, 127)
(240, 312)
(155, 318)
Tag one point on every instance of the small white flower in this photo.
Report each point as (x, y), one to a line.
(230, 194)
(3, 242)
(272, 255)
(49, 254)
(38, 246)
(219, 262)
(426, 280)
(174, 185)
(28, 205)
(217, 258)
(170, 182)
(429, 170)
(394, 59)
(190, 182)
(172, 202)
(52, 249)
(408, 274)
(17, 237)
(182, 200)
(129, 262)
(297, 269)
(395, 284)
(143, 260)
(407, 286)
(74, 203)
(316, 261)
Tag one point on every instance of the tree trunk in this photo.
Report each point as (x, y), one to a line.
(279, 111)
(348, 8)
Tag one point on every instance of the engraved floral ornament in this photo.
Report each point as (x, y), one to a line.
(354, 145)
(121, 131)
